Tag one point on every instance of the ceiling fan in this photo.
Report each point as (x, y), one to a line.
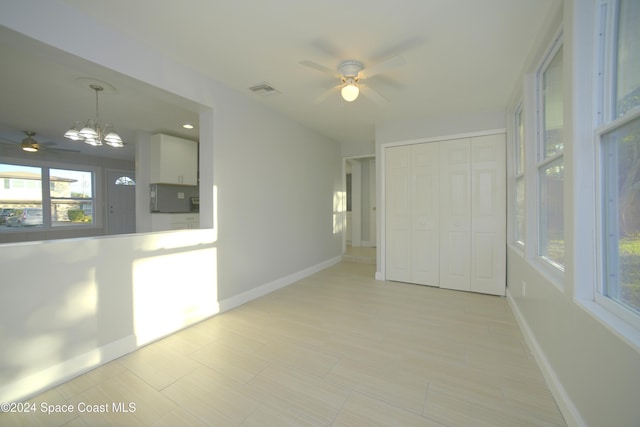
(29, 144)
(351, 74)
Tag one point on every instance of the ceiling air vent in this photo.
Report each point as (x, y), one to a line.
(263, 89)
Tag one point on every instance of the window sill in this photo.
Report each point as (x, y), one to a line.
(517, 248)
(550, 272)
(620, 328)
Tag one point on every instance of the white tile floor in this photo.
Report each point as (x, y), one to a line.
(335, 349)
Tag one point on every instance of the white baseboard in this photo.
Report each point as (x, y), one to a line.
(570, 413)
(244, 297)
(36, 383)
(379, 275)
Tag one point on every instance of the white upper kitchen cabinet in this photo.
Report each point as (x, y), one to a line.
(173, 160)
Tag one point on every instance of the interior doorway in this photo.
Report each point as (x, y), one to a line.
(360, 220)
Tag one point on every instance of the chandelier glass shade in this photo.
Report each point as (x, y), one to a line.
(92, 132)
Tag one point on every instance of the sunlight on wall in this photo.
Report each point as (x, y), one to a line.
(173, 291)
(69, 313)
(80, 302)
(339, 208)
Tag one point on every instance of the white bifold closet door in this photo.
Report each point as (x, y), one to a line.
(445, 214)
(425, 214)
(412, 214)
(455, 211)
(398, 213)
(488, 215)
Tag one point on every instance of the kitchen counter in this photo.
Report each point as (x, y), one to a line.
(174, 221)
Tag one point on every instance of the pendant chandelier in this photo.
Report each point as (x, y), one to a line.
(93, 133)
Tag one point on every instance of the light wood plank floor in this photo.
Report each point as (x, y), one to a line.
(335, 349)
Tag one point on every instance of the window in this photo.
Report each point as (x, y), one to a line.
(621, 214)
(125, 180)
(71, 195)
(20, 197)
(618, 139)
(627, 53)
(45, 197)
(550, 162)
(519, 208)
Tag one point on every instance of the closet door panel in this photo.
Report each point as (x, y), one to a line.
(455, 214)
(488, 214)
(425, 264)
(398, 213)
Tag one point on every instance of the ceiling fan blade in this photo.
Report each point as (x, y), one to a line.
(328, 48)
(374, 96)
(397, 49)
(319, 67)
(382, 67)
(8, 141)
(326, 95)
(66, 150)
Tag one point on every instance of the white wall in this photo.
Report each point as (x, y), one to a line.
(276, 183)
(90, 300)
(358, 149)
(435, 126)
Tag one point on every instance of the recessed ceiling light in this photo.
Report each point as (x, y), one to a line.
(187, 126)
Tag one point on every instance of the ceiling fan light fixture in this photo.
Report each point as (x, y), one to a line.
(350, 90)
(29, 146)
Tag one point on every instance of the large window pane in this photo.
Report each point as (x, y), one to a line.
(621, 231)
(628, 57)
(71, 197)
(552, 212)
(20, 197)
(552, 106)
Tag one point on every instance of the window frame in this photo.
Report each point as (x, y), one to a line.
(600, 296)
(606, 122)
(45, 168)
(72, 199)
(553, 270)
(519, 175)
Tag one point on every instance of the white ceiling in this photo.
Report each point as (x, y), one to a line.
(460, 56)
